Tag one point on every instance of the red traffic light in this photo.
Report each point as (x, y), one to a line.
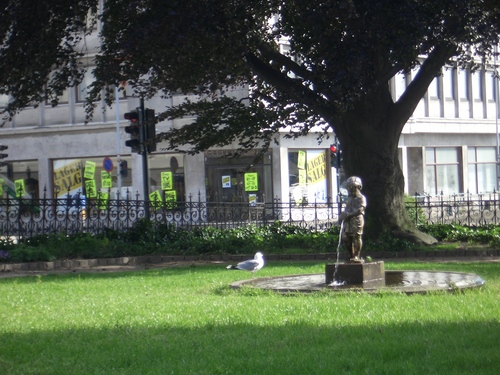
(333, 148)
(132, 116)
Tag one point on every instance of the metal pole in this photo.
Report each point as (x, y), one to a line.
(118, 143)
(144, 151)
(497, 112)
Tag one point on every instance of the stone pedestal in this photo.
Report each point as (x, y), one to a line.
(364, 275)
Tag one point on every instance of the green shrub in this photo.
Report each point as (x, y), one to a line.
(147, 237)
(414, 211)
(455, 232)
(388, 243)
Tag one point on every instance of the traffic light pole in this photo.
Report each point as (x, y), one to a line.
(118, 140)
(144, 152)
(335, 160)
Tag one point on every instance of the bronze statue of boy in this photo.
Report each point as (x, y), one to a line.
(352, 219)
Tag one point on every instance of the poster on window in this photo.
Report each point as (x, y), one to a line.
(302, 177)
(67, 177)
(102, 200)
(20, 188)
(90, 188)
(171, 199)
(167, 181)
(251, 181)
(301, 160)
(106, 180)
(252, 199)
(226, 182)
(317, 190)
(89, 171)
(155, 199)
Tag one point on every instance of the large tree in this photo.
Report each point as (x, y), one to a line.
(333, 74)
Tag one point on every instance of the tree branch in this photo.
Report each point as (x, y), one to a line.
(293, 88)
(271, 54)
(430, 68)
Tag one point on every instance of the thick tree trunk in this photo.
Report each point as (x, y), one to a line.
(370, 152)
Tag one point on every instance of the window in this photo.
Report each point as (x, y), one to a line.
(399, 84)
(63, 98)
(4, 99)
(490, 88)
(18, 174)
(434, 88)
(88, 176)
(238, 179)
(82, 88)
(442, 170)
(308, 181)
(166, 176)
(463, 85)
(448, 83)
(481, 169)
(477, 85)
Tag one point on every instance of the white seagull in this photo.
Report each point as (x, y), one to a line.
(251, 265)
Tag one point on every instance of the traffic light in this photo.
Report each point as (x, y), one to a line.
(134, 129)
(150, 129)
(335, 155)
(123, 168)
(2, 155)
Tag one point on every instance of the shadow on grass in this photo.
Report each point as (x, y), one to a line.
(261, 348)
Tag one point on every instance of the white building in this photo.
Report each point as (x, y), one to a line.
(449, 145)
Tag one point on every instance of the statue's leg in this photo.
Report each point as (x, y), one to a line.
(357, 243)
(347, 241)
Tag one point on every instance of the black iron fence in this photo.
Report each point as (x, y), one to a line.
(30, 217)
(463, 209)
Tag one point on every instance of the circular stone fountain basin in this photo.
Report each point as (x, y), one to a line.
(399, 281)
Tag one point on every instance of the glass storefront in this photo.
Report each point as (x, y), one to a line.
(308, 178)
(92, 176)
(166, 178)
(238, 179)
(20, 180)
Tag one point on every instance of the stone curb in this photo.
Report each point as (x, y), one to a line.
(86, 264)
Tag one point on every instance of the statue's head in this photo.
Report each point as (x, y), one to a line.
(354, 181)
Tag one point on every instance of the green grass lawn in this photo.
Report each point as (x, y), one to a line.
(188, 321)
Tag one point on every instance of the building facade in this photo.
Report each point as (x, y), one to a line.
(449, 145)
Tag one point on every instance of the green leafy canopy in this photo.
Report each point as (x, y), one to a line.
(339, 52)
(252, 68)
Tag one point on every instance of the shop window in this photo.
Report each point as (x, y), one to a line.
(307, 171)
(20, 180)
(166, 178)
(242, 179)
(91, 176)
